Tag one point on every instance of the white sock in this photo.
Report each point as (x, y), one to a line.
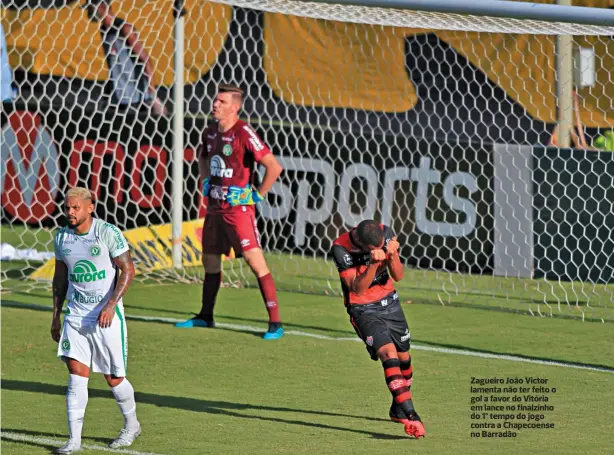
(124, 395)
(76, 402)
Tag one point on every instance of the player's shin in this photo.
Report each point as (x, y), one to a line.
(398, 385)
(76, 402)
(124, 395)
(211, 286)
(407, 371)
(269, 296)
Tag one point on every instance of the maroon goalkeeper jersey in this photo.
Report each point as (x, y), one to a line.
(231, 160)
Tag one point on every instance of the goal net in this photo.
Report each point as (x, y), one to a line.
(450, 128)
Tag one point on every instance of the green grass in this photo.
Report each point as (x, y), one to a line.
(317, 276)
(227, 391)
(23, 237)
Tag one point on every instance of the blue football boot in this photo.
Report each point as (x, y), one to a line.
(195, 322)
(275, 332)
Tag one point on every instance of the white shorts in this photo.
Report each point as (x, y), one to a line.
(102, 350)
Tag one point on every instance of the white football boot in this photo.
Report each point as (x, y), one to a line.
(125, 438)
(72, 446)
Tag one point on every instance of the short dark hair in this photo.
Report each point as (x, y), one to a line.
(236, 91)
(370, 233)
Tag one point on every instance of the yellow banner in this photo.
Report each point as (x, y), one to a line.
(330, 64)
(357, 66)
(65, 42)
(310, 62)
(151, 249)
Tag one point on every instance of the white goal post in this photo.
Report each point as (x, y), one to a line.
(481, 132)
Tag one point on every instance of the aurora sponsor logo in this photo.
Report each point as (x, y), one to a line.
(86, 272)
(218, 168)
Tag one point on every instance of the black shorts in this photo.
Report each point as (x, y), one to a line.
(381, 323)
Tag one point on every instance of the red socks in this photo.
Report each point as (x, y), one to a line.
(269, 296)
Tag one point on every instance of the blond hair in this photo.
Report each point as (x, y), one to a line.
(81, 193)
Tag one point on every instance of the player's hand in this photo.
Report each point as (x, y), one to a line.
(378, 255)
(393, 247)
(105, 318)
(56, 329)
(242, 196)
(206, 186)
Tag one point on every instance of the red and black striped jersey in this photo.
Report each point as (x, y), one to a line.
(348, 255)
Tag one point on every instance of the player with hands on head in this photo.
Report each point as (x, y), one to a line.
(367, 259)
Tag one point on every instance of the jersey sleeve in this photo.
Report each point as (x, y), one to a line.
(253, 143)
(57, 245)
(114, 240)
(342, 259)
(202, 147)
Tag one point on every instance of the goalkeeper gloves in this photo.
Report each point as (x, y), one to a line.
(206, 186)
(242, 196)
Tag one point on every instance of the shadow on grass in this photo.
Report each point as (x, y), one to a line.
(42, 445)
(224, 408)
(42, 434)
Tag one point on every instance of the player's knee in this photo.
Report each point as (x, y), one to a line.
(77, 368)
(387, 352)
(260, 271)
(212, 263)
(255, 260)
(113, 381)
(404, 356)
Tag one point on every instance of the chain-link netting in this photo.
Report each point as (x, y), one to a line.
(443, 127)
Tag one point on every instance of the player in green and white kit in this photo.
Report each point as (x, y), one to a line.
(88, 254)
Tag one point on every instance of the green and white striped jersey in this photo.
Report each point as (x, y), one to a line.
(91, 271)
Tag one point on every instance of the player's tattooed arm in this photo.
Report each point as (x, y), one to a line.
(60, 287)
(125, 264)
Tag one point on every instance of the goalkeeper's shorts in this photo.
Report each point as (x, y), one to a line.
(233, 229)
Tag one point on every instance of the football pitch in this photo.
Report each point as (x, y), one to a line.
(315, 391)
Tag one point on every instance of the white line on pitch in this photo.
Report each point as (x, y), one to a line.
(249, 328)
(18, 437)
